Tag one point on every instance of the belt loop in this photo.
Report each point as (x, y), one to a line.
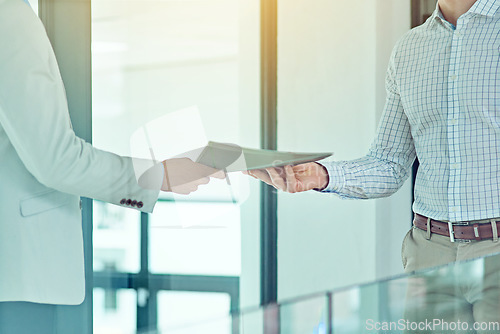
(476, 232)
(428, 237)
(494, 230)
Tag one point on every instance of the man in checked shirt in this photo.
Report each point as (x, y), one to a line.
(443, 106)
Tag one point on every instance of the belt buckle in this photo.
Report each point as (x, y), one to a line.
(452, 232)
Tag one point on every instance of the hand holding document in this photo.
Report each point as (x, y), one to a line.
(293, 179)
(288, 171)
(185, 168)
(183, 176)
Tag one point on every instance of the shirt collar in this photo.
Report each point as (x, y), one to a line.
(480, 7)
(437, 16)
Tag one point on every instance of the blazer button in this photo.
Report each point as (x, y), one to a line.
(140, 204)
(129, 201)
(123, 201)
(134, 203)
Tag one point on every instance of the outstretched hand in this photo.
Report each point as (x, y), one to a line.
(293, 179)
(183, 176)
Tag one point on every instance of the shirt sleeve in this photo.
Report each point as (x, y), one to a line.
(34, 115)
(387, 165)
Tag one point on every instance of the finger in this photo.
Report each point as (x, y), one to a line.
(250, 173)
(203, 180)
(220, 174)
(202, 169)
(304, 169)
(276, 179)
(291, 181)
(183, 190)
(281, 172)
(262, 175)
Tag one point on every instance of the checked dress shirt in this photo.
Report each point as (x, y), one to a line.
(443, 106)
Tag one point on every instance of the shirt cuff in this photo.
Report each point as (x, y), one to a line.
(336, 177)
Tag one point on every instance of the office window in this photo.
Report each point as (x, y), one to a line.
(114, 311)
(213, 249)
(149, 59)
(178, 309)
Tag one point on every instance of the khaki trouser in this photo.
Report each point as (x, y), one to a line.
(468, 292)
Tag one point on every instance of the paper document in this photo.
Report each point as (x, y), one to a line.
(233, 158)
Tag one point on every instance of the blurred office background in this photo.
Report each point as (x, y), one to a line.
(145, 59)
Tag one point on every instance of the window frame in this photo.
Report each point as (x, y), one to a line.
(153, 283)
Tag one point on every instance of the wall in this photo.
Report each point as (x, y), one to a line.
(331, 68)
(393, 214)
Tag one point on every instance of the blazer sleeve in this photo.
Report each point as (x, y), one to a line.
(34, 114)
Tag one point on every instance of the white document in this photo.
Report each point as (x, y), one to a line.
(233, 158)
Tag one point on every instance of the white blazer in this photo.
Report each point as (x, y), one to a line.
(44, 168)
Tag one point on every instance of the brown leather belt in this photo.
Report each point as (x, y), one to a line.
(461, 231)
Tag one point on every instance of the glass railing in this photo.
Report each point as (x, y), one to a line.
(461, 297)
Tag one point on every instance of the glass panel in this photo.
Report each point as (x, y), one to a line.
(212, 248)
(116, 238)
(252, 322)
(308, 315)
(115, 311)
(357, 309)
(217, 326)
(189, 312)
(305, 316)
(263, 320)
(462, 297)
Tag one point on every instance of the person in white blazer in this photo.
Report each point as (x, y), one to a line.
(45, 168)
